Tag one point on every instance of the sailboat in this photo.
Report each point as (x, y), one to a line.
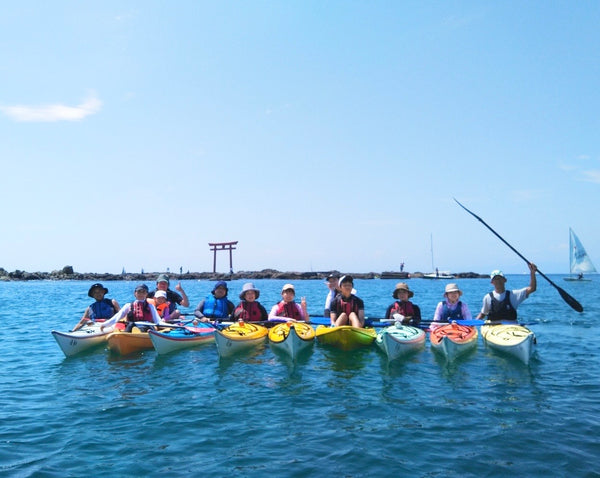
(437, 274)
(580, 262)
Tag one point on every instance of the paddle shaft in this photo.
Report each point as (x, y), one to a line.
(566, 297)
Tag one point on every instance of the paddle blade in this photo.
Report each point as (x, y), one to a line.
(569, 299)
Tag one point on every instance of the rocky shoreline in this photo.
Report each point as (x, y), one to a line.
(67, 273)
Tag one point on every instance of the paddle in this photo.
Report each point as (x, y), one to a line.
(566, 297)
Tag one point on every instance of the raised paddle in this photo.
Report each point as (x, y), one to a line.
(566, 297)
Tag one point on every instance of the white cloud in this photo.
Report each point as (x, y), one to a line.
(592, 175)
(51, 113)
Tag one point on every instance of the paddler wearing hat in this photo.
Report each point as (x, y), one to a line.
(102, 309)
(346, 308)
(403, 310)
(451, 308)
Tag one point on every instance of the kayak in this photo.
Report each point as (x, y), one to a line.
(291, 337)
(453, 340)
(512, 339)
(345, 337)
(239, 337)
(87, 337)
(125, 343)
(178, 338)
(400, 340)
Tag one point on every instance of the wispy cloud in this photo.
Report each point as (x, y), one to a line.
(592, 175)
(55, 112)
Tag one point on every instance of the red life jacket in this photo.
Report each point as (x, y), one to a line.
(348, 306)
(249, 311)
(289, 310)
(140, 312)
(404, 308)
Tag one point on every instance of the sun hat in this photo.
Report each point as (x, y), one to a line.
(143, 287)
(249, 286)
(496, 273)
(96, 286)
(288, 287)
(452, 288)
(162, 278)
(402, 286)
(160, 293)
(220, 283)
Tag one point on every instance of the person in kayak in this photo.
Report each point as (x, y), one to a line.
(162, 305)
(140, 310)
(403, 310)
(501, 305)
(174, 298)
(334, 290)
(249, 308)
(287, 308)
(102, 309)
(451, 308)
(347, 308)
(216, 305)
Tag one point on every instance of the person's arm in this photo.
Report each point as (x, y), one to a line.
(532, 279)
(155, 317)
(437, 315)
(263, 312)
(466, 313)
(303, 310)
(116, 305)
(485, 308)
(415, 320)
(118, 316)
(198, 312)
(185, 302)
(84, 319)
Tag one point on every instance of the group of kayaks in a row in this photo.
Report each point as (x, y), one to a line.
(291, 338)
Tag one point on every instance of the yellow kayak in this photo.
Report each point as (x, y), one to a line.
(239, 337)
(291, 337)
(512, 339)
(345, 337)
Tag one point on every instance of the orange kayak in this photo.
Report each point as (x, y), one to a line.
(453, 339)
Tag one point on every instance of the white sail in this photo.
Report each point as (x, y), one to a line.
(580, 261)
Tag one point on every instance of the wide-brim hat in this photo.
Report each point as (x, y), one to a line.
(402, 286)
(96, 286)
(249, 286)
(452, 288)
(220, 283)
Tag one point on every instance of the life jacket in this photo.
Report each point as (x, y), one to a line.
(502, 310)
(249, 311)
(346, 306)
(102, 309)
(140, 311)
(404, 308)
(216, 308)
(289, 310)
(163, 310)
(448, 314)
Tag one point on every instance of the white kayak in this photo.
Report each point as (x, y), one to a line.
(512, 339)
(169, 340)
(400, 340)
(87, 337)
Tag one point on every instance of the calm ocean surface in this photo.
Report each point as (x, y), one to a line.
(332, 414)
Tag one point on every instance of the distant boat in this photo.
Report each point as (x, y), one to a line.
(437, 274)
(579, 261)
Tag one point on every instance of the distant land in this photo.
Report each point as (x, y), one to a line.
(67, 273)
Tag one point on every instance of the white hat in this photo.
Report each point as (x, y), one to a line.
(160, 293)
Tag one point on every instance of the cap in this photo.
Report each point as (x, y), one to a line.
(143, 287)
(162, 278)
(288, 287)
(160, 293)
(496, 273)
(346, 279)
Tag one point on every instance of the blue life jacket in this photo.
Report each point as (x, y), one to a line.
(502, 310)
(102, 309)
(448, 315)
(216, 308)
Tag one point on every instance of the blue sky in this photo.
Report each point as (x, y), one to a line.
(319, 134)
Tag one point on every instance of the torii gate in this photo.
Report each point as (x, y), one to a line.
(222, 246)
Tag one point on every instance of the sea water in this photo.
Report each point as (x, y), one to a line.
(331, 413)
